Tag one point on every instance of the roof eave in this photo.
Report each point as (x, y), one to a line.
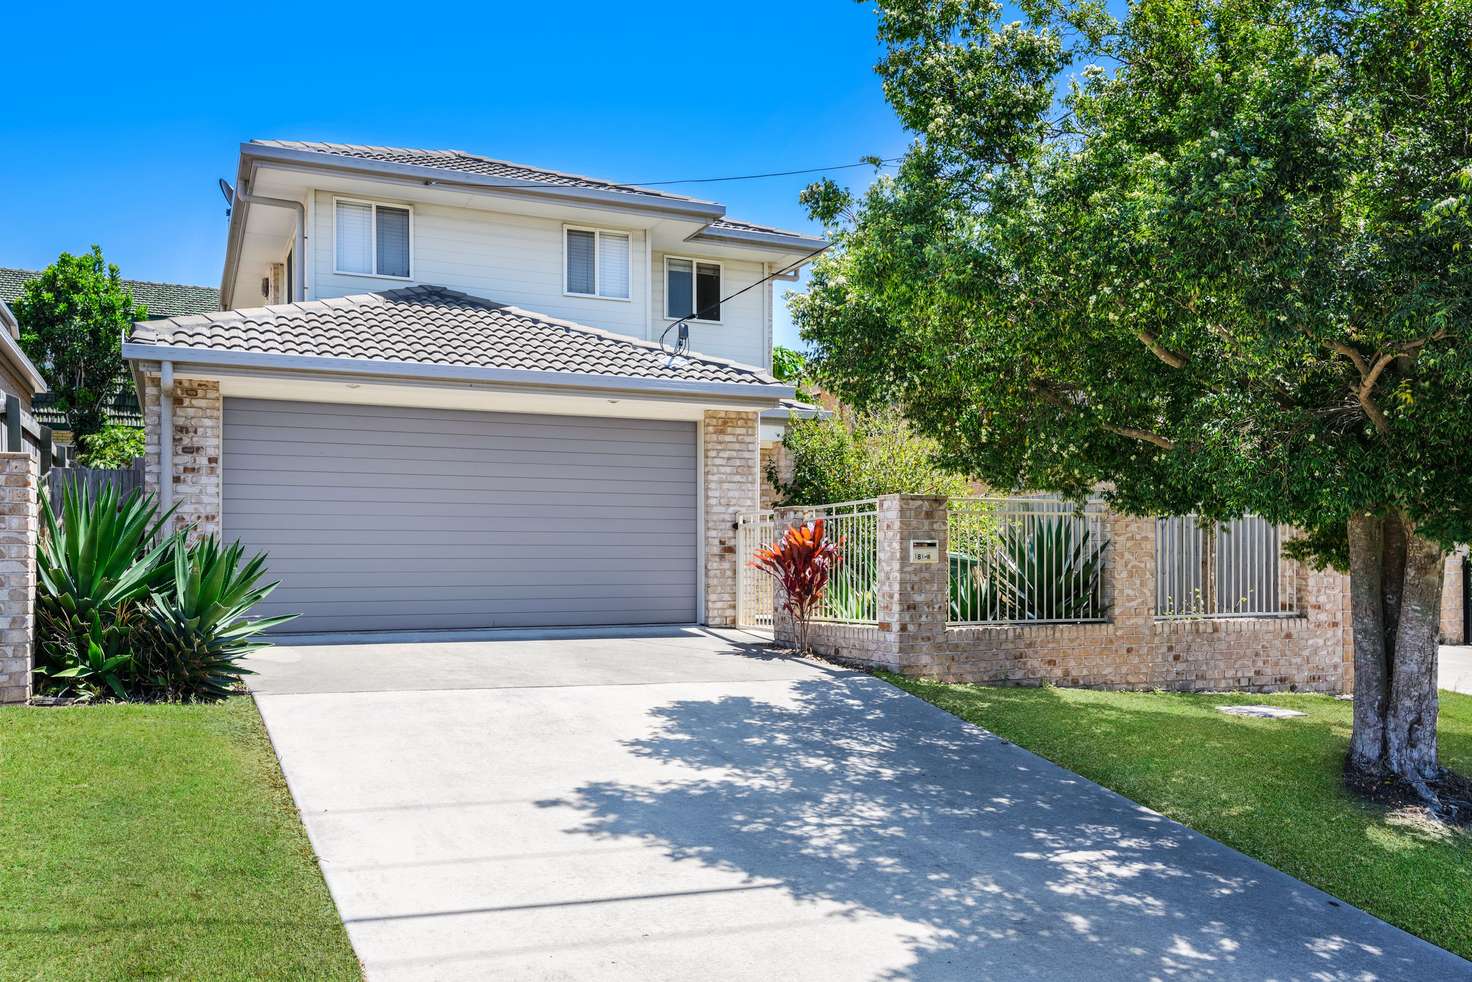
(14, 354)
(693, 208)
(770, 240)
(758, 395)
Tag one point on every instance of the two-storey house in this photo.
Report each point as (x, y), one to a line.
(451, 392)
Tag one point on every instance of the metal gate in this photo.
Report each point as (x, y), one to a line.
(753, 587)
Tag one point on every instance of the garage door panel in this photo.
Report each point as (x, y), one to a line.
(384, 518)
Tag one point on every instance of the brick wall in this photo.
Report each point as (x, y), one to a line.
(198, 422)
(731, 487)
(1453, 626)
(19, 522)
(771, 454)
(1133, 650)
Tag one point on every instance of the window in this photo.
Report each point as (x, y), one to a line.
(372, 240)
(597, 263)
(692, 287)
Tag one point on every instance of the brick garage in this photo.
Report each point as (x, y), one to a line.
(1132, 650)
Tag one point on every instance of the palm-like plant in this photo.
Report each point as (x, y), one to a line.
(801, 562)
(1052, 572)
(200, 624)
(92, 563)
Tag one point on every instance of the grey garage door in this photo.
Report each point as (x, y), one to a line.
(386, 518)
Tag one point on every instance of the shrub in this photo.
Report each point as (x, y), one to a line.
(115, 446)
(800, 562)
(92, 566)
(198, 625)
(1055, 572)
(123, 612)
(850, 459)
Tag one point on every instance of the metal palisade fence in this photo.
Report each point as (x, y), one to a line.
(1222, 569)
(852, 594)
(1026, 560)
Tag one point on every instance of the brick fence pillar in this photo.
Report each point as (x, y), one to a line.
(914, 597)
(19, 523)
(1452, 623)
(729, 470)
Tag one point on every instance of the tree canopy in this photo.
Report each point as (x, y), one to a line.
(1211, 256)
(73, 318)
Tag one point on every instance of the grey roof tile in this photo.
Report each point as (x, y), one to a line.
(465, 163)
(161, 299)
(438, 326)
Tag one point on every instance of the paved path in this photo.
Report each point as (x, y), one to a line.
(1456, 668)
(683, 807)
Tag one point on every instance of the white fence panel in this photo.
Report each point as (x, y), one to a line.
(753, 587)
(1222, 569)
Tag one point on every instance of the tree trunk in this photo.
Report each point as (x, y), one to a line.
(1395, 596)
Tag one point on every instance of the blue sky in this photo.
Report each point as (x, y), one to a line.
(119, 121)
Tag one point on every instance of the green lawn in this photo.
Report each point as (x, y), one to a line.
(1271, 789)
(156, 841)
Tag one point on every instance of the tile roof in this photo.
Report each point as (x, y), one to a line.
(161, 299)
(464, 163)
(437, 326)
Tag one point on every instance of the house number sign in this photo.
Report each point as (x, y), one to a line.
(924, 551)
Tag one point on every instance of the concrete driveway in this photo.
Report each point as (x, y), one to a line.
(684, 806)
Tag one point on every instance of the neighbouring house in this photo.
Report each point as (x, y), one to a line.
(448, 392)
(160, 300)
(20, 380)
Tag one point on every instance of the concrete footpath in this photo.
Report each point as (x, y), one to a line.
(683, 805)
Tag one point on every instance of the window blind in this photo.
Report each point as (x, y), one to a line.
(613, 265)
(580, 248)
(393, 241)
(679, 287)
(354, 237)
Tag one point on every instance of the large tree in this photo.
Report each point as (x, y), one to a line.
(73, 318)
(1211, 254)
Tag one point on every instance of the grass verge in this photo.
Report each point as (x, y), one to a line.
(1269, 788)
(156, 841)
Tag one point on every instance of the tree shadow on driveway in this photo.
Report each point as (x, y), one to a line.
(988, 861)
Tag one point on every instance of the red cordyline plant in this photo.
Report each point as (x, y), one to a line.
(800, 562)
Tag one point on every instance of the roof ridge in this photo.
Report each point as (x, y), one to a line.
(125, 279)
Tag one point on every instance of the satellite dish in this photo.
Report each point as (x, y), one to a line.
(228, 192)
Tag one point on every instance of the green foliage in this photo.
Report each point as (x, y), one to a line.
(842, 459)
(200, 628)
(114, 446)
(1051, 571)
(792, 367)
(121, 611)
(1211, 255)
(73, 318)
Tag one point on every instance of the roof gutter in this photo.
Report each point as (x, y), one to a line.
(770, 240)
(756, 395)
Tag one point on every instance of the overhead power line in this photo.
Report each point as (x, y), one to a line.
(883, 162)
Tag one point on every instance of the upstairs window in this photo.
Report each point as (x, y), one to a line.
(692, 286)
(597, 263)
(372, 239)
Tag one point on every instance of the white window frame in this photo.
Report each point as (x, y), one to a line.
(598, 234)
(693, 299)
(373, 232)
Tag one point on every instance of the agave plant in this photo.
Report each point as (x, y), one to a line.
(92, 564)
(801, 562)
(1053, 572)
(200, 628)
